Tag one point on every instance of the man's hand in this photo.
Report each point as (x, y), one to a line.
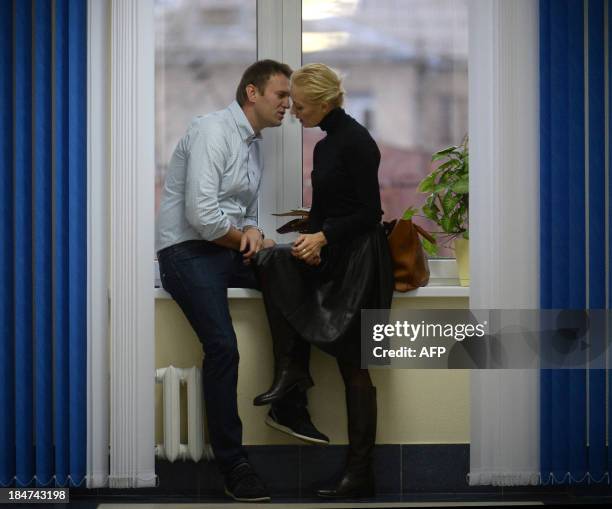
(231, 239)
(250, 243)
(307, 247)
(268, 243)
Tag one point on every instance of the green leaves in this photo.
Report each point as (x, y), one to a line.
(461, 186)
(447, 224)
(430, 249)
(427, 184)
(442, 154)
(449, 202)
(448, 188)
(430, 209)
(409, 213)
(453, 164)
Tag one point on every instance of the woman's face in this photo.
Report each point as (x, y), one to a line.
(309, 114)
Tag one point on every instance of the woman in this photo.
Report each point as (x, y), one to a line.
(315, 289)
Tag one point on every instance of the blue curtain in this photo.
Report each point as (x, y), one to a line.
(573, 221)
(43, 296)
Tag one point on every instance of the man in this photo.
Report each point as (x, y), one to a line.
(207, 234)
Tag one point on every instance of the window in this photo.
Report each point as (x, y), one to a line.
(201, 50)
(405, 69)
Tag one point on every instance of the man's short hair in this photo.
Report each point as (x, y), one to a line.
(258, 75)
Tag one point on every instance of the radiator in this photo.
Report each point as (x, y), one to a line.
(195, 449)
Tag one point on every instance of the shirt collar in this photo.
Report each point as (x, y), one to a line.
(242, 123)
(332, 119)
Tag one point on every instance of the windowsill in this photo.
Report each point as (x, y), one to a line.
(443, 283)
(432, 290)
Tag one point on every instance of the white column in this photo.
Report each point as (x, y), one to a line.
(504, 226)
(97, 243)
(132, 339)
(279, 37)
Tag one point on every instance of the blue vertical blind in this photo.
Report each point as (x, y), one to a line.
(574, 48)
(43, 260)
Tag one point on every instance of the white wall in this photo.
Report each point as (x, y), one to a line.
(415, 406)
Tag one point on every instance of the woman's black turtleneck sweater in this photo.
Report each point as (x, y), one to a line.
(345, 191)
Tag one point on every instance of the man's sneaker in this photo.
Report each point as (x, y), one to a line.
(244, 485)
(295, 422)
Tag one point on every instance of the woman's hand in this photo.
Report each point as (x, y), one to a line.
(307, 247)
(313, 260)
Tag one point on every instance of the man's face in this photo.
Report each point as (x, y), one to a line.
(270, 106)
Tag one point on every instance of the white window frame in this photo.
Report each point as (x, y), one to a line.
(279, 37)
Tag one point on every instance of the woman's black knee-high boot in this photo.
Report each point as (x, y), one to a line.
(358, 479)
(291, 359)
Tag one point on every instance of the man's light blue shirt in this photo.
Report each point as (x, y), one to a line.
(212, 180)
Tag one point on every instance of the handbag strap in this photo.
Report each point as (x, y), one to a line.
(423, 233)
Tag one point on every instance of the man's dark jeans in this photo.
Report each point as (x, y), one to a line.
(197, 274)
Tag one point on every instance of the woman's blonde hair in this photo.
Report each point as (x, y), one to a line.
(319, 84)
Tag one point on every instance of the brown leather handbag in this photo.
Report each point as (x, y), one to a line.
(410, 265)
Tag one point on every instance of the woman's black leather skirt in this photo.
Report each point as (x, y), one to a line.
(323, 303)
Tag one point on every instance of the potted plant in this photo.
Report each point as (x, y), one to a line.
(448, 204)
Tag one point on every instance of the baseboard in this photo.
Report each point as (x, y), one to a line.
(297, 471)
